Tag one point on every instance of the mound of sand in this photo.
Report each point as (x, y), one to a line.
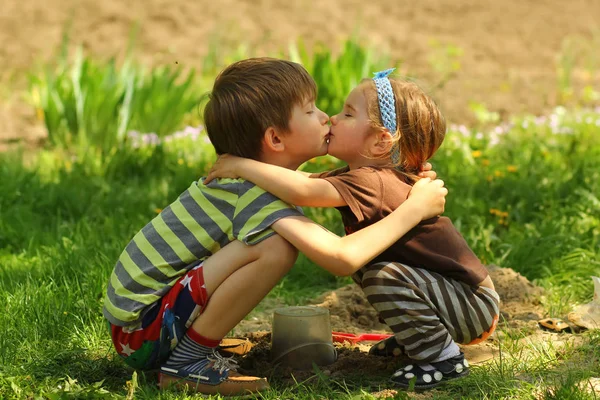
(351, 312)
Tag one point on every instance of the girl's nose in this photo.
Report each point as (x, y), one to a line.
(333, 119)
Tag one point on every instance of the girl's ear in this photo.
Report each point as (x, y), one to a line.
(272, 141)
(382, 144)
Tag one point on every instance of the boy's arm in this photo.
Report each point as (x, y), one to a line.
(344, 256)
(290, 186)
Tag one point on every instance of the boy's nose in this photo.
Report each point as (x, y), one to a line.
(325, 118)
(333, 119)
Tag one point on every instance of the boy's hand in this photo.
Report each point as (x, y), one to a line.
(429, 197)
(225, 167)
(426, 171)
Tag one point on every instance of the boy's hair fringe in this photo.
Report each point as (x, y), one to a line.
(250, 96)
(421, 127)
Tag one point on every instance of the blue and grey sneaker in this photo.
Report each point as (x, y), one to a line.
(214, 374)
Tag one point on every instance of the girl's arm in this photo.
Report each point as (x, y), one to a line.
(344, 256)
(290, 186)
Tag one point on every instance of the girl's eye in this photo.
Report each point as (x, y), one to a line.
(310, 112)
(347, 115)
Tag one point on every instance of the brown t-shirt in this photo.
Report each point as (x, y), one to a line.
(434, 244)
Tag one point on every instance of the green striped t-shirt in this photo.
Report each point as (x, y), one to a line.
(202, 220)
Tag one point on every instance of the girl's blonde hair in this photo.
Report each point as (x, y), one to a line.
(421, 127)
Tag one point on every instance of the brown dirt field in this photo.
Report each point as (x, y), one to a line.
(510, 47)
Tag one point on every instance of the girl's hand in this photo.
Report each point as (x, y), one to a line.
(225, 167)
(429, 197)
(426, 171)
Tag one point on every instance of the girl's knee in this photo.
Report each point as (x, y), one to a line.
(385, 270)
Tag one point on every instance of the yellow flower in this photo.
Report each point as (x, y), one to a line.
(499, 173)
(511, 168)
(501, 222)
(489, 178)
(180, 161)
(503, 214)
(485, 162)
(158, 210)
(39, 113)
(493, 211)
(476, 154)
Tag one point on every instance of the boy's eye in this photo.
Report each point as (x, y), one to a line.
(347, 115)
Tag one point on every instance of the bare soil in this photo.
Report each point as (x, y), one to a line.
(509, 61)
(350, 312)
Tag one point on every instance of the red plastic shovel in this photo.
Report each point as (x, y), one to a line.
(360, 337)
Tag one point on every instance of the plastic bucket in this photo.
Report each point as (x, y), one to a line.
(301, 336)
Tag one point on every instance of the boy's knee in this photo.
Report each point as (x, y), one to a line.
(278, 251)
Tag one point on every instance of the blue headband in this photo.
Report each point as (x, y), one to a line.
(387, 106)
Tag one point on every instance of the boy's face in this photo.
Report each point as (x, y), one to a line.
(308, 134)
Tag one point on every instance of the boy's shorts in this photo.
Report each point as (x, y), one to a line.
(148, 346)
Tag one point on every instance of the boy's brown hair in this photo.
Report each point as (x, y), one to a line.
(420, 123)
(250, 96)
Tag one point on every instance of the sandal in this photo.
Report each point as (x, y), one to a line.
(453, 368)
(387, 348)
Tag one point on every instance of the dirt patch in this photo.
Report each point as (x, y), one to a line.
(352, 362)
(350, 312)
(519, 298)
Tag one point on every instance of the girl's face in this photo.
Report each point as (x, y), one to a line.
(351, 132)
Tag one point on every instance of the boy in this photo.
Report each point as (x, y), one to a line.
(192, 273)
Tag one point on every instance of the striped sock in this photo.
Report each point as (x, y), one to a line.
(192, 352)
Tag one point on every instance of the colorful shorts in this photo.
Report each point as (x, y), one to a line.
(149, 345)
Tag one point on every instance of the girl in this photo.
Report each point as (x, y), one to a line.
(429, 287)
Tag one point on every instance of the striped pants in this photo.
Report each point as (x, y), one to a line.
(426, 311)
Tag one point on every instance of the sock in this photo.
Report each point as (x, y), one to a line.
(451, 350)
(191, 352)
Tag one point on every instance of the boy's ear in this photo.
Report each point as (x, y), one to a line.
(272, 140)
(383, 143)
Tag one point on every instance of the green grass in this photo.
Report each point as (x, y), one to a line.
(65, 217)
(87, 103)
(525, 196)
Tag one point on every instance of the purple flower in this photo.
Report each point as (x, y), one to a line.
(494, 140)
(151, 139)
(193, 131)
